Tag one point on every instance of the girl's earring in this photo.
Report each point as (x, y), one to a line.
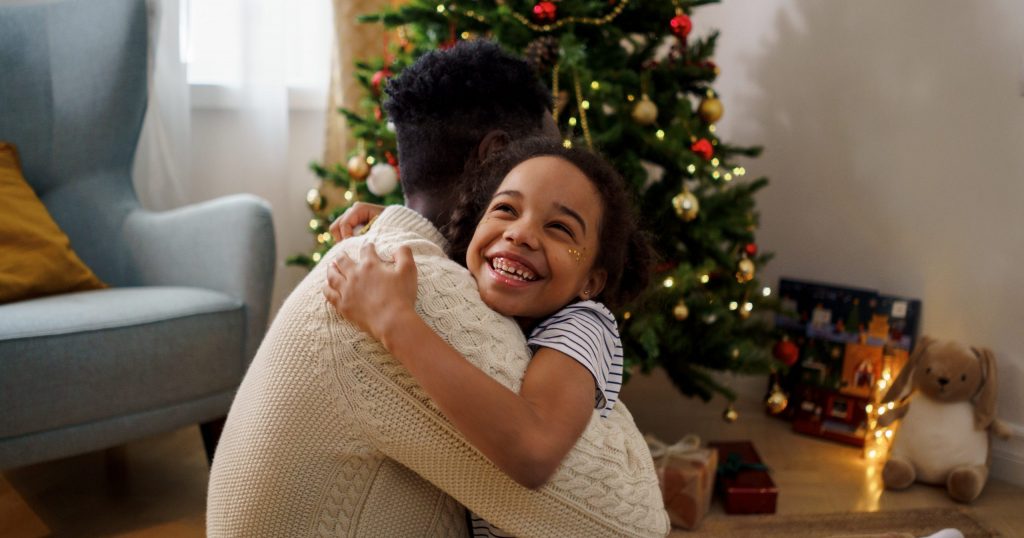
(586, 294)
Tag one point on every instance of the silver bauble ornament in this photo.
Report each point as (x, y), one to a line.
(383, 179)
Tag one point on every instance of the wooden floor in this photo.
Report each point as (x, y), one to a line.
(156, 487)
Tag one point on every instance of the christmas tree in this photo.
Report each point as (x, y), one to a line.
(629, 80)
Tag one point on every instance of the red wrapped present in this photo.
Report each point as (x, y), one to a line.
(743, 481)
(686, 473)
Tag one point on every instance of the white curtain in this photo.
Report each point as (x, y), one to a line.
(237, 105)
(225, 73)
(162, 159)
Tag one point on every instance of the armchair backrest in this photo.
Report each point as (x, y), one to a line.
(73, 91)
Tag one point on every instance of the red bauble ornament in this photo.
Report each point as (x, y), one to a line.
(681, 25)
(545, 12)
(750, 249)
(703, 148)
(378, 79)
(393, 161)
(787, 352)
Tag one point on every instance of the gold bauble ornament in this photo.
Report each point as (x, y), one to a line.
(745, 271)
(645, 112)
(777, 400)
(316, 200)
(686, 205)
(357, 167)
(730, 414)
(680, 311)
(710, 109)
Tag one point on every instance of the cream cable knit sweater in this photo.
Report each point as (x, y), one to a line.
(326, 426)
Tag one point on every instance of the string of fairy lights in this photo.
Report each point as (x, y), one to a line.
(645, 113)
(586, 96)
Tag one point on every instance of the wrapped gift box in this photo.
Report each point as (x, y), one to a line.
(743, 482)
(686, 473)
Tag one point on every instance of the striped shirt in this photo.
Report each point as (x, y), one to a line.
(586, 332)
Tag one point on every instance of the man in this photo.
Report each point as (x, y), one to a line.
(329, 435)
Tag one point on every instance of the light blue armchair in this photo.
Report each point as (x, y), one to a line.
(168, 343)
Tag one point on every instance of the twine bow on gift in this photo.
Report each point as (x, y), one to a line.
(687, 448)
(734, 464)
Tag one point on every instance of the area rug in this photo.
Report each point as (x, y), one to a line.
(896, 524)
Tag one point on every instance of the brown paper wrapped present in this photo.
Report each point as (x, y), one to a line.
(686, 473)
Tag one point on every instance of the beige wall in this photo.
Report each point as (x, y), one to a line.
(894, 138)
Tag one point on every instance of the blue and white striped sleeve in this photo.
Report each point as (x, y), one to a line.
(587, 332)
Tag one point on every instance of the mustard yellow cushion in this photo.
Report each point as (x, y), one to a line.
(35, 256)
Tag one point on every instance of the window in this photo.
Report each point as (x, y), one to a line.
(225, 40)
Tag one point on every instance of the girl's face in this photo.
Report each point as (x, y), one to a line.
(533, 252)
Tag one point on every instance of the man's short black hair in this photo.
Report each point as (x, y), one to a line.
(446, 102)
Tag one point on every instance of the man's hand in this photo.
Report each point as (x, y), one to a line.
(371, 293)
(353, 218)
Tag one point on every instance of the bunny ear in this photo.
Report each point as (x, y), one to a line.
(985, 399)
(901, 386)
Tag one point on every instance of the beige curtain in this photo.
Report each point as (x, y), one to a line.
(353, 41)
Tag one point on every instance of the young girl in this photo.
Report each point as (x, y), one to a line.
(545, 231)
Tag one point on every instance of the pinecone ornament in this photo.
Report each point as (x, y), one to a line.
(542, 53)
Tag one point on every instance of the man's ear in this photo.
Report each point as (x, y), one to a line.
(594, 284)
(492, 142)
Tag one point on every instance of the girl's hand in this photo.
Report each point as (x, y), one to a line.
(353, 218)
(374, 295)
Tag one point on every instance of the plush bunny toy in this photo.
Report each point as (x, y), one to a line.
(944, 436)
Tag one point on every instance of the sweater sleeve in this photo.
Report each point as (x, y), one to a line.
(606, 486)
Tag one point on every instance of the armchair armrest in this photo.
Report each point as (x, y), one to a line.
(226, 244)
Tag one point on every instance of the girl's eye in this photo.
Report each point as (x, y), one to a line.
(503, 208)
(563, 228)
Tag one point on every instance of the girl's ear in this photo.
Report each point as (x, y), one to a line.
(594, 284)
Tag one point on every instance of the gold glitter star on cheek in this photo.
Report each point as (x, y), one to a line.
(577, 254)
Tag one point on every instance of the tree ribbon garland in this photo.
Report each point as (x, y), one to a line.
(594, 21)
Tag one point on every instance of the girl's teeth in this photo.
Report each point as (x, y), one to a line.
(502, 265)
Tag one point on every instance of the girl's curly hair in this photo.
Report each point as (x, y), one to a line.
(624, 250)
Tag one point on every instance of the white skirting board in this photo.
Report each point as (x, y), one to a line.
(1008, 457)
